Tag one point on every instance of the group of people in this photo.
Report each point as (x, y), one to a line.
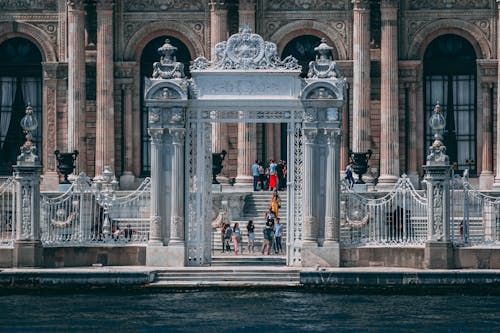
(273, 231)
(272, 177)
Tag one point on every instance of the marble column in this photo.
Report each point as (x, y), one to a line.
(247, 153)
(76, 82)
(412, 134)
(177, 184)
(496, 185)
(127, 178)
(246, 13)
(332, 205)
(389, 118)
(105, 125)
(218, 33)
(157, 185)
(310, 230)
(486, 178)
(361, 77)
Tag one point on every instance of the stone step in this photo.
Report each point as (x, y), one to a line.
(248, 261)
(216, 276)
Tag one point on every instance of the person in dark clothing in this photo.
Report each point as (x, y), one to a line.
(279, 172)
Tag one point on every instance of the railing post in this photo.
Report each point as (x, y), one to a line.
(438, 247)
(28, 250)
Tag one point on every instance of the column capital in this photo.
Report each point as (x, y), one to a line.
(361, 4)
(76, 5)
(178, 135)
(157, 135)
(104, 5)
(498, 4)
(247, 5)
(217, 5)
(487, 84)
(310, 135)
(389, 4)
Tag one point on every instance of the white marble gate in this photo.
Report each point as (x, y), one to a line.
(245, 82)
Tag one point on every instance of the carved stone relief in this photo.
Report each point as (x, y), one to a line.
(27, 5)
(163, 5)
(448, 4)
(319, 5)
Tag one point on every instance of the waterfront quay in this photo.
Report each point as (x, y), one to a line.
(243, 276)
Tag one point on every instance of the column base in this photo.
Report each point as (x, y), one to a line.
(326, 256)
(50, 181)
(438, 255)
(127, 181)
(166, 256)
(27, 254)
(415, 179)
(486, 180)
(386, 182)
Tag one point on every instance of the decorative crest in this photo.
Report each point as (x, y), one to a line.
(168, 67)
(246, 50)
(324, 67)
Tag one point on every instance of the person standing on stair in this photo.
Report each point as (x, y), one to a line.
(275, 203)
(236, 237)
(256, 175)
(273, 177)
(268, 236)
(278, 231)
(251, 236)
(227, 237)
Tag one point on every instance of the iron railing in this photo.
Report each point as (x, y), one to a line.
(8, 215)
(89, 215)
(397, 218)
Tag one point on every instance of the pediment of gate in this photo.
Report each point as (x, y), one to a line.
(166, 90)
(246, 67)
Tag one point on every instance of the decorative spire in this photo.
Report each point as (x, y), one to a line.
(437, 151)
(168, 67)
(323, 67)
(28, 150)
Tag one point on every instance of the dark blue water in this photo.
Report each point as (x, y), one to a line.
(246, 311)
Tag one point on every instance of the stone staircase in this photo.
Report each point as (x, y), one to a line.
(256, 206)
(248, 260)
(230, 276)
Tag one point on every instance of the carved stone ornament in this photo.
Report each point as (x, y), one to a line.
(28, 5)
(163, 5)
(323, 67)
(449, 4)
(438, 212)
(246, 50)
(320, 5)
(154, 116)
(168, 67)
(176, 116)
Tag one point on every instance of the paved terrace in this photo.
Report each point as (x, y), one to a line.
(242, 276)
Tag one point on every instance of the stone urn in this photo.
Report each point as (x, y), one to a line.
(66, 164)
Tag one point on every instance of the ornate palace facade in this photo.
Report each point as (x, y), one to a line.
(84, 66)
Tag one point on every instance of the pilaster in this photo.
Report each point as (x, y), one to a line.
(177, 183)
(496, 185)
(486, 178)
(332, 205)
(412, 134)
(389, 118)
(105, 143)
(246, 13)
(247, 152)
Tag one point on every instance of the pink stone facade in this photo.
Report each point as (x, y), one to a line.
(91, 74)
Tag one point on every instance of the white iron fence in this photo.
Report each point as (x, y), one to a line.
(475, 216)
(7, 211)
(397, 218)
(92, 213)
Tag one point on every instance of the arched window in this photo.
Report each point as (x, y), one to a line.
(450, 79)
(20, 85)
(302, 49)
(149, 56)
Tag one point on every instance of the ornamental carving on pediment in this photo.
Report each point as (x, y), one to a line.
(27, 5)
(246, 50)
(163, 5)
(168, 67)
(320, 5)
(449, 4)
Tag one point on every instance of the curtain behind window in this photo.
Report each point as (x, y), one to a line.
(8, 92)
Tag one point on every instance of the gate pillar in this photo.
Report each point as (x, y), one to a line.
(166, 99)
(28, 251)
(438, 248)
(322, 99)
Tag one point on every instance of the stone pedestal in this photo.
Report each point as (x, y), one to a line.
(326, 256)
(28, 253)
(438, 255)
